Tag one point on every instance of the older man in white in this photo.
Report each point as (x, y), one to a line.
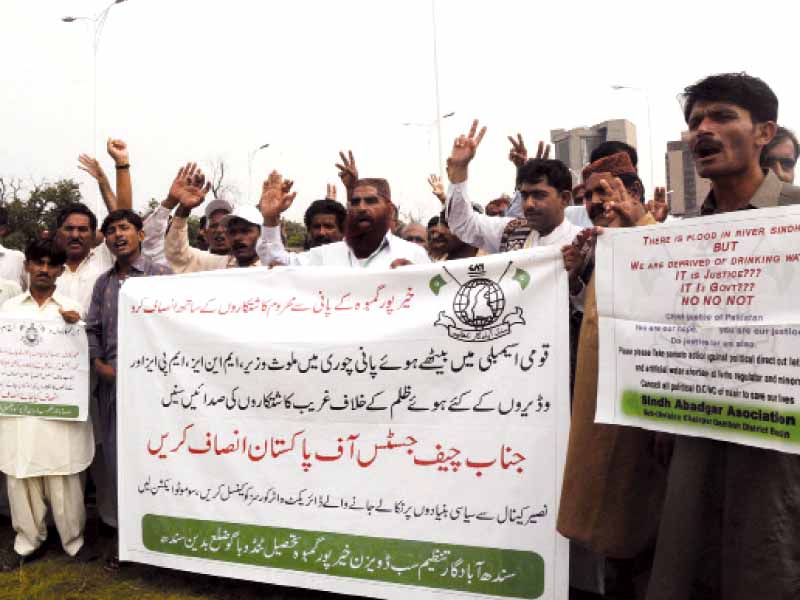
(368, 243)
(43, 459)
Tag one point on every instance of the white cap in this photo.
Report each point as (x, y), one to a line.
(215, 205)
(249, 213)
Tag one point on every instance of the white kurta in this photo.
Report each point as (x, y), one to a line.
(78, 284)
(33, 447)
(486, 232)
(338, 254)
(12, 266)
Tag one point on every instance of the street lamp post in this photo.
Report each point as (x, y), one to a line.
(429, 125)
(439, 116)
(250, 158)
(649, 122)
(99, 20)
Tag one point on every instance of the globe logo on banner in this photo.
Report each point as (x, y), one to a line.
(31, 335)
(478, 305)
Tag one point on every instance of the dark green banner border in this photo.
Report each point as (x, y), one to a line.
(426, 564)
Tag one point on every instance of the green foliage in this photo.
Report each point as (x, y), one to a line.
(295, 234)
(29, 217)
(193, 223)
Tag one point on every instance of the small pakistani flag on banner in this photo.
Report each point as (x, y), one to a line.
(437, 283)
(522, 278)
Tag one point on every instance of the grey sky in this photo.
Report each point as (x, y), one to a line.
(193, 80)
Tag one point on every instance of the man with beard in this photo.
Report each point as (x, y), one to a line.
(613, 483)
(123, 237)
(729, 528)
(368, 242)
(324, 220)
(781, 155)
(231, 241)
(544, 187)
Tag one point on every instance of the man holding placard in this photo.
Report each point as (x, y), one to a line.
(729, 527)
(43, 458)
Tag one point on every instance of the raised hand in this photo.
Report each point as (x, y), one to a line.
(330, 192)
(91, 166)
(348, 172)
(577, 254)
(276, 198)
(518, 153)
(118, 150)
(628, 210)
(543, 151)
(436, 187)
(658, 205)
(464, 149)
(189, 188)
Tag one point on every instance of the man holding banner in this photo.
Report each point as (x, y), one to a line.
(729, 528)
(43, 458)
(613, 485)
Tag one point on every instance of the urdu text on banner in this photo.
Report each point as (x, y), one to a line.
(699, 327)
(385, 433)
(45, 369)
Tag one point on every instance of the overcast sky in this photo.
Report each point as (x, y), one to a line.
(196, 80)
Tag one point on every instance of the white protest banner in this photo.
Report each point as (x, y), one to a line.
(45, 369)
(699, 327)
(388, 433)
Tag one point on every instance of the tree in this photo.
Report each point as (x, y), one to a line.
(193, 223)
(295, 234)
(219, 187)
(29, 217)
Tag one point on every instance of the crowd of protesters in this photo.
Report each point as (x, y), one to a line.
(649, 515)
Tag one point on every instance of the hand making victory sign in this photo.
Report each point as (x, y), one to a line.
(622, 209)
(519, 153)
(436, 187)
(464, 149)
(348, 172)
(658, 206)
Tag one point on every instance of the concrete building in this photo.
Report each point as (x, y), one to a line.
(688, 189)
(573, 147)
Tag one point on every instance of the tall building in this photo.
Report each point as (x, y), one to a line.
(686, 188)
(574, 147)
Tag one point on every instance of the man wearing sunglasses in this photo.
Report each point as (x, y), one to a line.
(781, 155)
(368, 240)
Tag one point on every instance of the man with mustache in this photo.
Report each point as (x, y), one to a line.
(231, 234)
(415, 233)
(443, 245)
(729, 528)
(545, 189)
(324, 221)
(368, 241)
(613, 483)
(781, 154)
(76, 233)
(123, 237)
(43, 458)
